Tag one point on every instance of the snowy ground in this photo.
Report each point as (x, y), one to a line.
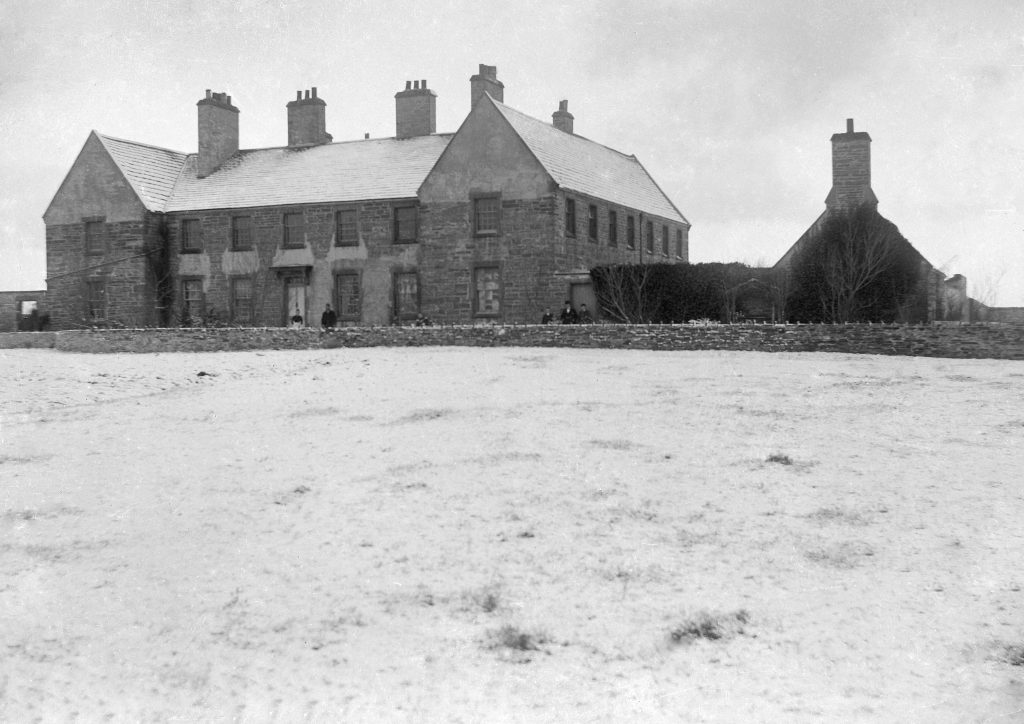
(510, 535)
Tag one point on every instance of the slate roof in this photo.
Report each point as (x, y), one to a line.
(387, 168)
(151, 171)
(579, 164)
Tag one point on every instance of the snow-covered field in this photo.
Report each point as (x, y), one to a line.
(510, 535)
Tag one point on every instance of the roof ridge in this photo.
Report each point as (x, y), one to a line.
(338, 143)
(571, 135)
(105, 137)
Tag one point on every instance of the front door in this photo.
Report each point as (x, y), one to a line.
(583, 293)
(295, 301)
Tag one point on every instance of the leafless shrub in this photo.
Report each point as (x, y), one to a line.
(710, 626)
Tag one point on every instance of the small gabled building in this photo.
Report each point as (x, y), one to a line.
(493, 223)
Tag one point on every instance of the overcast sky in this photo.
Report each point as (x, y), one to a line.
(729, 104)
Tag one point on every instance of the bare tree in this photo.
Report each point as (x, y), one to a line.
(627, 293)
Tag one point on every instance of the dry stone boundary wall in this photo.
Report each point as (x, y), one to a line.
(974, 341)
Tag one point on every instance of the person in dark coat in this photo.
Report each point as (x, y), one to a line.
(584, 315)
(548, 317)
(329, 318)
(568, 315)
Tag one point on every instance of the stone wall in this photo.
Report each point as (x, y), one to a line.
(974, 341)
(11, 319)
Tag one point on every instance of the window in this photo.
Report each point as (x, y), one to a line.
(679, 243)
(95, 301)
(664, 240)
(347, 300)
(191, 236)
(570, 217)
(241, 300)
(487, 285)
(405, 224)
(613, 228)
(486, 215)
(191, 301)
(294, 231)
(630, 232)
(407, 295)
(241, 233)
(94, 241)
(346, 228)
(592, 223)
(650, 237)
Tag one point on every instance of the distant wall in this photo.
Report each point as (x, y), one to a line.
(11, 319)
(976, 341)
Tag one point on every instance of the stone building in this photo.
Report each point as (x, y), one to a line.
(492, 223)
(937, 299)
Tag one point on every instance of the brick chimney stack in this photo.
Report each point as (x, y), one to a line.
(415, 110)
(562, 119)
(486, 81)
(218, 132)
(307, 120)
(851, 170)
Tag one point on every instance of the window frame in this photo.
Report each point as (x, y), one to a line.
(289, 233)
(184, 298)
(679, 243)
(630, 231)
(233, 300)
(664, 240)
(400, 316)
(592, 223)
(397, 225)
(191, 243)
(613, 228)
(649, 244)
(96, 313)
(236, 233)
(339, 308)
(338, 226)
(478, 312)
(476, 199)
(570, 217)
(94, 244)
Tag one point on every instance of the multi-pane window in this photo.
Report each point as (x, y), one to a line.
(487, 282)
(407, 295)
(486, 215)
(664, 240)
(241, 300)
(679, 243)
(650, 237)
(94, 242)
(592, 223)
(191, 235)
(630, 232)
(95, 301)
(191, 301)
(405, 224)
(570, 217)
(241, 233)
(294, 231)
(346, 228)
(613, 228)
(348, 301)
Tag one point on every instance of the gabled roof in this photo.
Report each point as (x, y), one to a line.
(151, 171)
(579, 164)
(388, 168)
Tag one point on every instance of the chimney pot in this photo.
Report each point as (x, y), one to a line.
(298, 95)
(408, 85)
(563, 105)
(209, 94)
(849, 125)
(423, 84)
(307, 95)
(229, 100)
(366, 136)
(314, 91)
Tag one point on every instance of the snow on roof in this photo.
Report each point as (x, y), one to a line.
(579, 164)
(388, 168)
(150, 170)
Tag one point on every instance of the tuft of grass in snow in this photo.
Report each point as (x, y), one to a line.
(709, 626)
(779, 458)
(1013, 654)
(516, 639)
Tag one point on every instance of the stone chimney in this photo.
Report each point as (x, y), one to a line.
(486, 81)
(415, 110)
(218, 132)
(307, 120)
(851, 170)
(562, 119)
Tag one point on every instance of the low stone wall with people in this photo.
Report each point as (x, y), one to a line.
(975, 341)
